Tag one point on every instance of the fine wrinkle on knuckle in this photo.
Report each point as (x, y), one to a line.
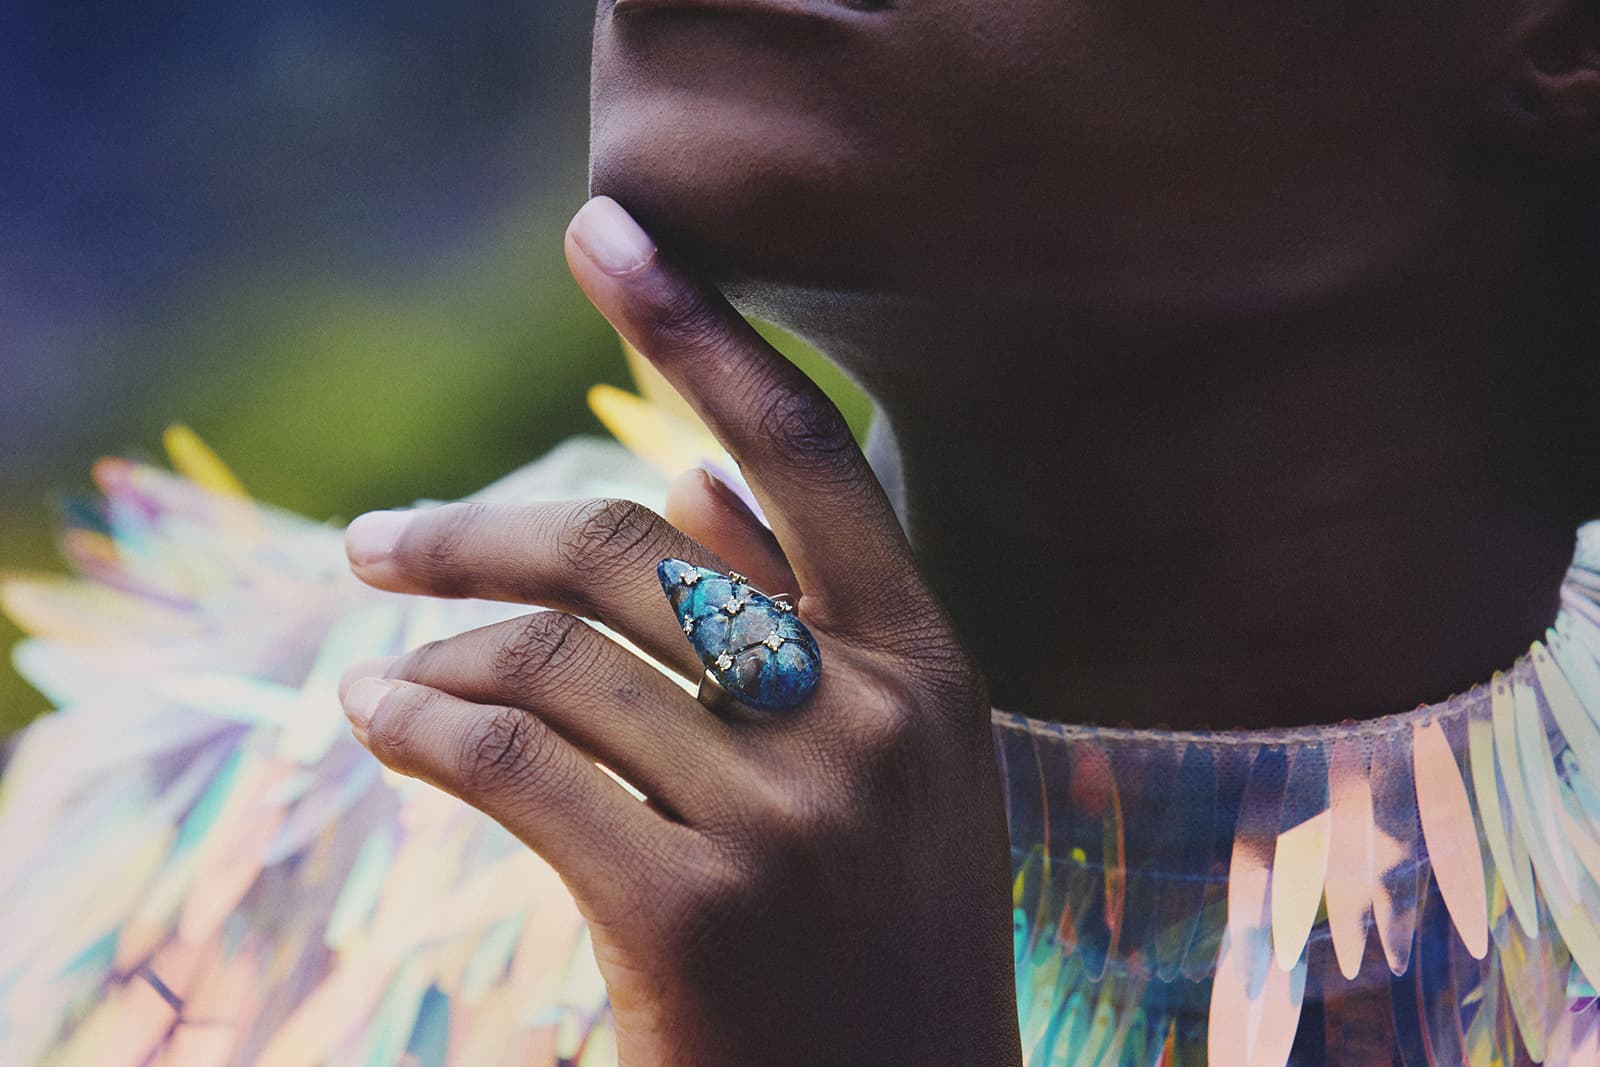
(506, 752)
(543, 644)
(605, 539)
(810, 433)
(924, 645)
(946, 675)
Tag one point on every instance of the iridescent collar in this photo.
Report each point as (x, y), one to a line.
(1452, 851)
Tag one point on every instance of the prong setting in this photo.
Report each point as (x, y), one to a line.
(766, 661)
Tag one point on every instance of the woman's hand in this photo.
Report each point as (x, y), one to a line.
(822, 886)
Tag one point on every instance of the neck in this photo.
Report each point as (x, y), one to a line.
(1330, 508)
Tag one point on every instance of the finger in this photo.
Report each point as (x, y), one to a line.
(608, 702)
(377, 667)
(514, 768)
(708, 512)
(826, 507)
(595, 558)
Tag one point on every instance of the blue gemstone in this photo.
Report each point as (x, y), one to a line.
(732, 624)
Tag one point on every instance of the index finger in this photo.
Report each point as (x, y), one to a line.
(825, 504)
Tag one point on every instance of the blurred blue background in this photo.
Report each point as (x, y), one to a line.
(325, 235)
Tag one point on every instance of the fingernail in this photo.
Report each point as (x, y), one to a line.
(372, 537)
(367, 668)
(722, 491)
(609, 236)
(362, 701)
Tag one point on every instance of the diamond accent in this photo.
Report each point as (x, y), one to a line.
(753, 644)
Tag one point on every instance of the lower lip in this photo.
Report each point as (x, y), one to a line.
(795, 10)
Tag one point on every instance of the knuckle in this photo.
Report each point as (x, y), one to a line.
(886, 735)
(928, 648)
(609, 536)
(789, 811)
(881, 697)
(949, 677)
(887, 732)
(809, 430)
(543, 644)
(507, 751)
(710, 902)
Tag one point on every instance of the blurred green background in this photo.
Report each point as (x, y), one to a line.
(325, 235)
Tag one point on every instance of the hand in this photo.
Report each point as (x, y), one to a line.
(822, 886)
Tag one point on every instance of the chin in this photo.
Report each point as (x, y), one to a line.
(763, 199)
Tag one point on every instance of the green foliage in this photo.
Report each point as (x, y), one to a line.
(330, 396)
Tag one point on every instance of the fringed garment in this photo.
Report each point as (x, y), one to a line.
(200, 867)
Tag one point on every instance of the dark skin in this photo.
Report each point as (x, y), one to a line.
(1283, 331)
(1223, 358)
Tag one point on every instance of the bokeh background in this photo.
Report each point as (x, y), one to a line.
(326, 234)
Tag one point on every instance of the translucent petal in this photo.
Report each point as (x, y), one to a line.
(1232, 765)
(193, 459)
(1282, 996)
(1300, 858)
(672, 443)
(1187, 835)
(1581, 732)
(1094, 833)
(1396, 833)
(1254, 843)
(1146, 777)
(1451, 835)
(1494, 809)
(1582, 671)
(1349, 880)
(1246, 960)
(1435, 971)
(1567, 888)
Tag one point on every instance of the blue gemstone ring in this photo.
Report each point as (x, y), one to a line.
(753, 647)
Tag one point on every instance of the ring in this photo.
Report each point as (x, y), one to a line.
(754, 649)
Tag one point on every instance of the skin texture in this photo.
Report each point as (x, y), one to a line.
(789, 869)
(1229, 363)
(1230, 352)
